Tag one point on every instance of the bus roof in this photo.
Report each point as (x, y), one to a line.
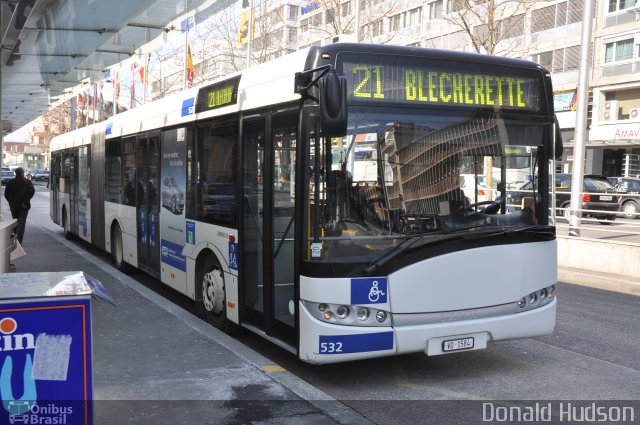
(265, 84)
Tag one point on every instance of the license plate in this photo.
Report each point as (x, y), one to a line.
(457, 344)
(606, 198)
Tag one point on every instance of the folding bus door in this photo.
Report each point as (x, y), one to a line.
(267, 227)
(148, 203)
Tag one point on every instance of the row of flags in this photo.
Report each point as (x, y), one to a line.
(246, 20)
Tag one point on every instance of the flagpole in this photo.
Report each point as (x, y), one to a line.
(145, 76)
(186, 58)
(250, 32)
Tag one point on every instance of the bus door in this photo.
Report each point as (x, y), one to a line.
(148, 203)
(70, 185)
(267, 226)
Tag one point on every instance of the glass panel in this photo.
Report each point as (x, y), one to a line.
(401, 175)
(216, 165)
(624, 50)
(284, 142)
(608, 52)
(253, 220)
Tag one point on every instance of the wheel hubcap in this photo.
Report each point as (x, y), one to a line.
(213, 291)
(630, 210)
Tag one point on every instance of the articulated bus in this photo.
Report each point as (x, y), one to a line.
(246, 196)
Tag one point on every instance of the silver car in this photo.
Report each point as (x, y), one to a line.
(172, 196)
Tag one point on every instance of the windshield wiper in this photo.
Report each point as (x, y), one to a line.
(505, 232)
(404, 246)
(401, 247)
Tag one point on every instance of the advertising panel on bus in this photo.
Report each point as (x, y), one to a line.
(172, 197)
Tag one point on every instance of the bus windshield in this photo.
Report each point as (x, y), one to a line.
(400, 174)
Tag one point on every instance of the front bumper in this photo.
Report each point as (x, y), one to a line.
(322, 342)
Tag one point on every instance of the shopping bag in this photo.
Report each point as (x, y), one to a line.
(17, 252)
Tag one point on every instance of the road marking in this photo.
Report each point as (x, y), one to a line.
(402, 380)
(273, 368)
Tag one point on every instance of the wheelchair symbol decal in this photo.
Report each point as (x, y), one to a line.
(369, 290)
(375, 292)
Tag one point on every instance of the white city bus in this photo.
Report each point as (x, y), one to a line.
(244, 196)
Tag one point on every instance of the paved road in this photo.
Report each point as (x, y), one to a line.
(593, 355)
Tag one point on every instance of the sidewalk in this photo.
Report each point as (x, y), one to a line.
(155, 363)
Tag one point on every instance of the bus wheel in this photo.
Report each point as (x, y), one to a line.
(65, 225)
(213, 298)
(117, 251)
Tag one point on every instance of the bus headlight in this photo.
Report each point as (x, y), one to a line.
(342, 312)
(363, 313)
(537, 299)
(350, 315)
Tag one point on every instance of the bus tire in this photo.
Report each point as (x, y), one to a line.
(213, 300)
(117, 251)
(65, 225)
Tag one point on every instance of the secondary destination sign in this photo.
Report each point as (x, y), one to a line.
(217, 95)
(435, 85)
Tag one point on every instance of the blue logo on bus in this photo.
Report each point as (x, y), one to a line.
(188, 107)
(369, 290)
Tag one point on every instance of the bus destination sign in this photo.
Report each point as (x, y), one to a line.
(421, 85)
(217, 95)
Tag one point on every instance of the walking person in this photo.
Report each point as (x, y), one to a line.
(18, 193)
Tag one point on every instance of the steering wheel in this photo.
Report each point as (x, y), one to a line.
(492, 207)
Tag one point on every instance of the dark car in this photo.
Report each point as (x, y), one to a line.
(599, 197)
(629, 190)
(6, 176)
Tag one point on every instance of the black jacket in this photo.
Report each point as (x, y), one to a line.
(18, 193)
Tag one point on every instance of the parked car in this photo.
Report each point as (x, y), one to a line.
(7, 175)
(629, 188)
(598, 195)
(599, 198)
(219, 201)
(37, 175)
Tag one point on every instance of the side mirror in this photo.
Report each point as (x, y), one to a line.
(332, 98)
(559, 146)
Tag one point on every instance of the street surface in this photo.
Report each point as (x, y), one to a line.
(592, 356)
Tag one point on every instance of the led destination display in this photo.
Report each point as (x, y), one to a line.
(218, 95)
(419, 85)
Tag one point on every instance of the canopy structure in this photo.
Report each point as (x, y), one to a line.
(51, 46)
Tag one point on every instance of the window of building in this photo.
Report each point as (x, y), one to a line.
(618, 51)
(559, 60)
(304, 25)
(543, 19)
(513, 26)
(544, 58)
(415, 16)
(293, 36)
(436, 9)
(617, 5)
(375, 28)
(316, 20)
(395, 22)
(330, 16)
(293, 12)
(345, 9)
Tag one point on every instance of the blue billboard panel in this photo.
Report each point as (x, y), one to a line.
(45, 362)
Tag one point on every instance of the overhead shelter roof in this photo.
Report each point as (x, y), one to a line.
(51, 46)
